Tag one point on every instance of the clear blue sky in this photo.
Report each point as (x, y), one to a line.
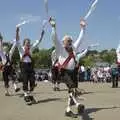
(103, 25)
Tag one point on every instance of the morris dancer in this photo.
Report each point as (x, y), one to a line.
(6, 66)
(55, 79)
(26, 65)
(116, 72)
(66, 55)
(54, 70)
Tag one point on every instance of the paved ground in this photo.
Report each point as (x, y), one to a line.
(101, 101)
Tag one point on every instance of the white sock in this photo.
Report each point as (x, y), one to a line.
(68, 107)
(74, 99)
(15, 86)
(54, 85)
(57, 85)
(25, 94)
(6, 90)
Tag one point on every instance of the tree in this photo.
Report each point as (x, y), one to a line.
(36, 50)
(87, 61)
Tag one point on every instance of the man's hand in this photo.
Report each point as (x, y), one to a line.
(82, 23)
(17, 33)
(17, 29)
(52, 22)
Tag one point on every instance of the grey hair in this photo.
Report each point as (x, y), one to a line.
(67, 37)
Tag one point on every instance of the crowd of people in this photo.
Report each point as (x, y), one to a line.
(95, 74)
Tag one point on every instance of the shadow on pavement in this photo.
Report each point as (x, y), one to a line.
(85, 115)
(48, 100)
(87, 93)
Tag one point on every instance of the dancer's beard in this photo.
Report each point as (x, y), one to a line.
(69, 48)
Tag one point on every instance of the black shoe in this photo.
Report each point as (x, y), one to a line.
(81, 109)
(77, 93)
(54, 89)
(57, 89)
(7, 94)
(113, 86)
(32, 89)
(17, 89)
(32, 99)
(27, 100)
(21, 95)
(71, 114)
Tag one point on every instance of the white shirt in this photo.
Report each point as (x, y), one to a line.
(99, 74)
(3, 54)
(33, 46)
(26, 59)
(82, 68)
(61, 53)
(21, 49)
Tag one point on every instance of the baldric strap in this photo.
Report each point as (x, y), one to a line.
(71, 55)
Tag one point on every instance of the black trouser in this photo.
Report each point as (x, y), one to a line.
(55, 75)
(28, 76)
(69, 77)
(114, 80)
(81, 76)
(8, 71)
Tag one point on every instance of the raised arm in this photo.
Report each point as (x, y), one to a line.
(12, 50)
(41, 35)
(3, 58)
(56, 42)
(17, 43)
(84, 52)
(81, 55)
(81, 34)
(1, 42)
(14, 43)
(38, 41)
(17, 34)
